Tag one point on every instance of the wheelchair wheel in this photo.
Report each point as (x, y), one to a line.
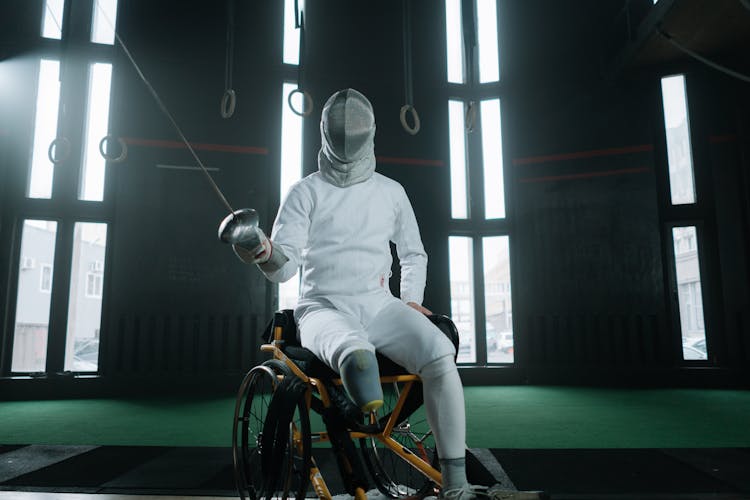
(392, 475)
(255, 478)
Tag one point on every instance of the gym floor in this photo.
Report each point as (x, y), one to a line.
(575, 443)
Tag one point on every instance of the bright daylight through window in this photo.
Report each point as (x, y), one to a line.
(462, 295)
(45, 131)
(291, 172)
(687, 272)
(97, 125)
(33, 298)
(679, 151)
(85, 299)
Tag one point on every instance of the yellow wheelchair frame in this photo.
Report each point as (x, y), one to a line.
(299, 468)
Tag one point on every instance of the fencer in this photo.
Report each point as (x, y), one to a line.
(335, 226)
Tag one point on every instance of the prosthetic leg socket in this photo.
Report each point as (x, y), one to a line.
(361, 378)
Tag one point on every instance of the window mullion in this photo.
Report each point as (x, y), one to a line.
(480, 326)
(59, 303)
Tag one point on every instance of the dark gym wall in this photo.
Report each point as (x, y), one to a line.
(584, 160)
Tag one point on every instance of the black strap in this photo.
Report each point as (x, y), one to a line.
(408, 85)
(347, 458)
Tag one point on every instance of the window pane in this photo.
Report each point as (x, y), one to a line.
(103, 21)
(497, 298)
(489, 63)
(454, 41)
(492, 154)
(679, 151)
(457, 133)
(462, 295)
(97, 126)
(33, 300)
(291, 33)
(52, 19)
(45, 129)
(85, 301)
(291, 172)
(689, 292)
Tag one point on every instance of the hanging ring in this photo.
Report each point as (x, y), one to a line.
(406, 108)
(123, 149)
(228, 103)
(53, 147)
(471, 117)
(307, 108)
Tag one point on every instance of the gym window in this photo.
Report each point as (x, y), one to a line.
(679, 151)
(479, 241)
(85, 297)
(45, 130)
(52, 19)
(489, 60)
(457, 142)
(97, 124)
(291, 172)
(291, 32)
(102, 21)
(58, 305)
(38, 238)
(462, 295)
(689, 296)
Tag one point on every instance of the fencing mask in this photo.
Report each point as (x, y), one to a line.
(347, 133)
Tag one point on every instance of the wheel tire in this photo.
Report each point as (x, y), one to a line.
(251, 408)
(392, 475)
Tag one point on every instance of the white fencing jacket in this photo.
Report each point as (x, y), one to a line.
(340, 238)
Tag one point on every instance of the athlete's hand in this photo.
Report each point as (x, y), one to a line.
(260, 253)
(419, 308)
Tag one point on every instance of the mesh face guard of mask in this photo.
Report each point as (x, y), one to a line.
(347, 129)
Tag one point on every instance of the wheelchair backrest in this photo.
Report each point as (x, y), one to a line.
(282, 328)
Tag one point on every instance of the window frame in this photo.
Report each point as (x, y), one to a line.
(476, 225)
(63, 206)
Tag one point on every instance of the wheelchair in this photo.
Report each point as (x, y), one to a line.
(273, 438)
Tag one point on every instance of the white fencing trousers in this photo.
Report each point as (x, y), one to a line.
(444, 406)
(402, 334)
(334, 328)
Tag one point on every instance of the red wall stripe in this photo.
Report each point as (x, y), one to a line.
(226, 148)
(586, 175)
(410, 161)
(584, 154)
(716, 139)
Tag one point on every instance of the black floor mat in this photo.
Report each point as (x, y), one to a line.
(565, 474)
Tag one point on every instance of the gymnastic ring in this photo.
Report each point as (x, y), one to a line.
(123, 149)
(415, 116)
(471, 117)
(228, 103)
(308, 107)
(53, 145)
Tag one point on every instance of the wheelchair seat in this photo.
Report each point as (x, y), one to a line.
(283, 329)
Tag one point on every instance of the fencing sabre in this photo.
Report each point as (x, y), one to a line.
(164, 110)
(239, 227)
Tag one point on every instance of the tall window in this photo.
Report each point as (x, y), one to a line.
(291, 131)
(679, 151)
(63, 247)
(45, 130)
(479, 246)
(30, 334)
(682, 195)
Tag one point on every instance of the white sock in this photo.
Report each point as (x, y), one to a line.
(454, 473)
